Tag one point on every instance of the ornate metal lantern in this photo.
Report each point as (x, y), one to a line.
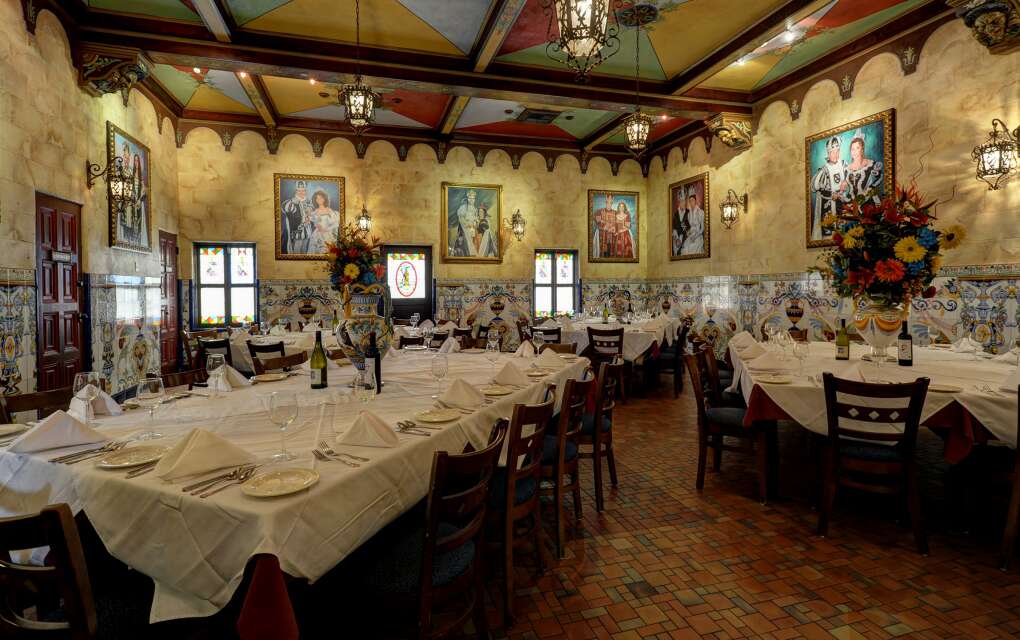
(730, 208)
(637, 127)
(997, 159)
(586, 38)
(119, 180)
(364, 220)
(358, 99)
(516, 224)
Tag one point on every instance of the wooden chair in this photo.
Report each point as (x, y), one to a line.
(336, 354)
(464, 336)
(559, 348)
(717, 423)
(401, 322)
(523, 330)
(182, 378)
(671, 359)
(716, 383)
(606, 346)
(552, 335)
(64, 578)
(438, 338)
(405, 341)
(189, 340)
(280, 364)
(799, 335)
(213, 345)
(856, 456)
(597, 427)
(1013, 511)
(42, 402)
(257, 351)
(514, 506)
(559, 452)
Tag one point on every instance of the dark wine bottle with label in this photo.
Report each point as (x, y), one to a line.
(905, 347)
(842, 341)
(373, 362)
(318, 363)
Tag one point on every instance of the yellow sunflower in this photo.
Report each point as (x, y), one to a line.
(953, 236)
(936, 264)
(908, 250)
(829, 221)
(856, 232)
(852, 242)
(352, 271)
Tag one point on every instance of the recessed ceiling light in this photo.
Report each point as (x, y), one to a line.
(197, 70)
(664, 117)
(243, 74)
(311, 81)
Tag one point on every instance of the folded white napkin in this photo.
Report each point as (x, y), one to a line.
(277, 330)
(59, 429)
(240, 335)
(770, 362)
(967, 345)
(102, 404)
(426, 324)
(526, 350)
(462, 394)
(751, 351)
(450, 345)
(548, 322)
(742, 339)
(228, 379)
(512, 376)
(550, 359)
(311, 327)
(369, 430)
(199, 452)
(1008, 357)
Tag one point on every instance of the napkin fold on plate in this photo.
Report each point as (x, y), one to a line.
(426, 324)
(770, 362)
(228, 379)
(311, 327)
(526, 350)
(550, 359)
(102, 405)
(462, 394)
(967, 344)
(277, 330)
(369, 430)
(57, 430)
(450, 345)
(511, 376)
(198, 452)
(1009, 357)
(240, 336)
(742, 339)
(750, 352)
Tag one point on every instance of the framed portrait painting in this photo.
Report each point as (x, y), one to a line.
(612, 226)
(846, 162)
(131, 226)
(309, 210)
(689, 233)
(470, 221)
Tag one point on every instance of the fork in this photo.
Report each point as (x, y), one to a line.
(70, 456)
(321, 455)
(142, 470)
(241, 479)
(228, 478)
(412, 431)
(328, 450)
(116, 446)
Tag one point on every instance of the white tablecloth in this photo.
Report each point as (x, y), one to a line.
(637, 337)
(293, 342)
(804, 400)
(196, 550)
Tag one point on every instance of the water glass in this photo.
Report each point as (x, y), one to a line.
(149, 394)
(363, 390)
(214, 368)
(264, 328)
(440, 366)
(800, 352)
(86, 387)
(283, 411)
(492, 352)
(537, 340)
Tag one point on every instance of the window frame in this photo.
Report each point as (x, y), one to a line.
(552, 286)
(227, 285)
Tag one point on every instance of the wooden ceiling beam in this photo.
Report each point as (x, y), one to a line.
(212, 17)
(603, 133)
(452, 115)
(259, 97)
(495, 31)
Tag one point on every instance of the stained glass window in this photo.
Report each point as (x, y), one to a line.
(405, 275)
(556, 283)
(225, 276)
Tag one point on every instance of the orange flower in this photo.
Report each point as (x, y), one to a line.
(889, 270)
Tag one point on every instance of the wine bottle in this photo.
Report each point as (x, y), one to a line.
(905, 346)
(373, 363)
(605, 313)
(318, 363)
(336, 320)
(842, 341)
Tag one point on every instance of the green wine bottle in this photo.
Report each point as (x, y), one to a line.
(842, 341)
(318, 364)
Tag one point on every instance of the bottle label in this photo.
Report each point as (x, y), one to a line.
(843, 352)
(316, 377)
(906, 350)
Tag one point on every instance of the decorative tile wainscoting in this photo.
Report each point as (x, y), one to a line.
(125, 327)
(17, 331)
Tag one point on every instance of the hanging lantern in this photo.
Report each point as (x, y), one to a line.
(516, 224)
(586, 37)
(364, 220)
(359, 101)
(730, 208)
(637, 127)
(997, 159)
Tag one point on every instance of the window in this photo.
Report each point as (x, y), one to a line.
(225, 283)
(556, 283)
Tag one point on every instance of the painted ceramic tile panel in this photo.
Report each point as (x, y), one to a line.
(125, 328)
(17, 331)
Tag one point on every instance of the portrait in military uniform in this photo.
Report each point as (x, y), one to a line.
(309, 213)
(470, 222)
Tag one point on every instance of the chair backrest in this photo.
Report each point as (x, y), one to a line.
(710, 365)
(524, 452)
(483, 331)
(213, 345)
(438, 338)
(336, 354)
(523, 330)
(572, 409)
(693, 366)
(189, 339)
(550, 334)
(681, 337)
(463, 335)
(259, 352)
(799, 335)
(606, 342)
(401, 322)
(878, 412)
(559, 348)
(410, 340)
(42, 402)
(182, 378)
(64, 579)
(281, 364)
(605, 394)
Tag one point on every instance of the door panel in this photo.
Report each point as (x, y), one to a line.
(168, 325)
(59, 315)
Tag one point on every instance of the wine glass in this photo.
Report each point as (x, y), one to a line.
(264, 328)
(283, 410)
(440, 366)
(86, 388)
(363, 391)
(492, 352)
(214, 367)
(800, 352)
(149, 394)
(537, 340)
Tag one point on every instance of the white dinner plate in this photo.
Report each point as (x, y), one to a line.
(944, 388)
(773, 378)
(11, 429)
(472, 350)
(568, 356)
(439, 415)
(415, 347)
(495, 390)
(270, 377)
(132, 457)
(281, 482)
(536, 373)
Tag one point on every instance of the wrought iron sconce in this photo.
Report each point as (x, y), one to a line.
(730, 208)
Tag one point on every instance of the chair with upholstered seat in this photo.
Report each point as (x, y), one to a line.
(514, 508)
(523, 330)
(213, 345)
(438, 338)
(259, 352)
(799, 335)
(717, 384)
(1012, 478)
(606, 346)
(464, 336)
(597, 428)
(43, 403)
(872, 436)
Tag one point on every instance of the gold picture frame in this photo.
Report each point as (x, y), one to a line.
(616, 246)
(480, 240)
(698, 188)
(303, 224)
(821, 171)
(130, 227)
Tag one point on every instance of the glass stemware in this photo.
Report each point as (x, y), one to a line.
(537, 340)
(149, 394)
(800, 352)
(86, 387)
(363, 390)
(214, 368)
(283, 410)
(492, 352)
(440, 366)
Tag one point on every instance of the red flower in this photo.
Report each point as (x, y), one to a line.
(352, 253)
(837, 238)
(861, 277)
(890, 270)
(380, 271)
(928, 293)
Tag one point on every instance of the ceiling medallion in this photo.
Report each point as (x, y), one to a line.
(585, 36)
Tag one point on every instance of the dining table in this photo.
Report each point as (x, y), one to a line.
(293, 342)
(639, 335)
(196, 549)
(971, 399)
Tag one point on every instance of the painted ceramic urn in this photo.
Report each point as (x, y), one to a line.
(362, 318)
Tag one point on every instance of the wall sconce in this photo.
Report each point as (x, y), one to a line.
(730, 208)
(364, 220)
(118, 179)
(997, 157)
(516, 224)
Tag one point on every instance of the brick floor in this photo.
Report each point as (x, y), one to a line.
(663, 561)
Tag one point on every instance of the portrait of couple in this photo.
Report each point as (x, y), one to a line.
(612, 226)
(471, 222)
(689, 225)
(309, 212)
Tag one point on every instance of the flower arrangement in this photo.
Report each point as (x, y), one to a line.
(354, 258)
(889, 251)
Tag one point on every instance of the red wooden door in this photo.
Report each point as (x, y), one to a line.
(168, 301)
(59, 313)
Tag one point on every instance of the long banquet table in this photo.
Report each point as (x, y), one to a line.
(196, 550)
(979, 409)
(293, 342)
(638, 337)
